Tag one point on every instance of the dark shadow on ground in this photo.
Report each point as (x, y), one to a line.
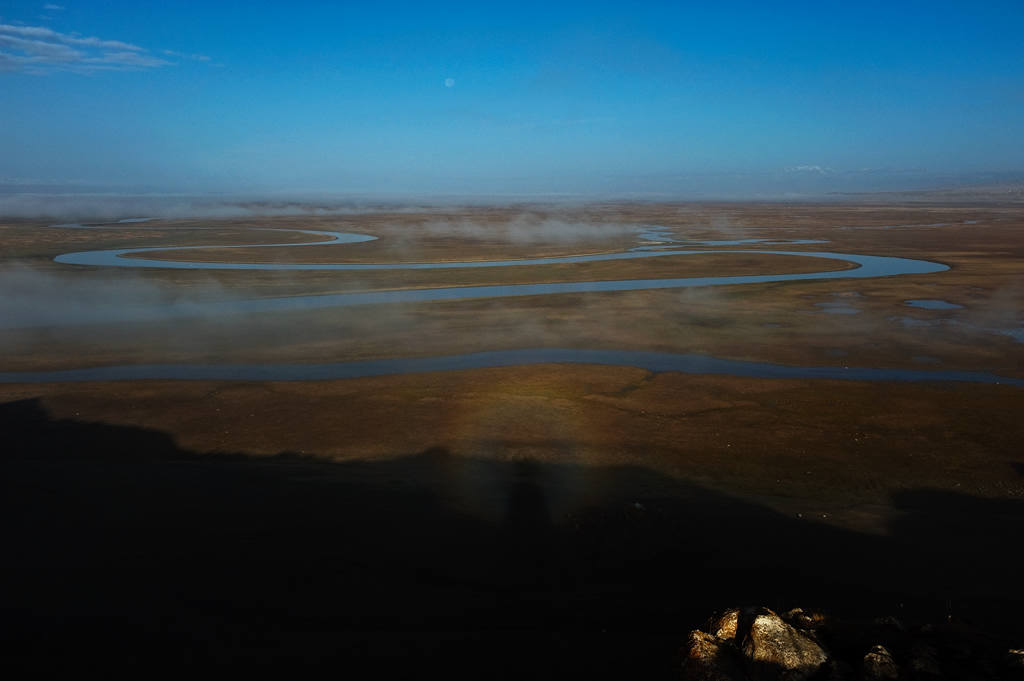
(122, 549)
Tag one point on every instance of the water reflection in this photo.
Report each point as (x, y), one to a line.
(933, 304)
(652, 361)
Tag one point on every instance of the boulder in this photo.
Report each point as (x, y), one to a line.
(805, 619)
(709, 658)
(777, 650)
(724, 626)
(879, 665)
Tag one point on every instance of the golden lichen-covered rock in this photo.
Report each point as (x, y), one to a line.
(776, 650)
(724, 626)
(709, 658)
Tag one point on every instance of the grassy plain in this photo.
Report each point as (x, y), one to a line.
(591, 513)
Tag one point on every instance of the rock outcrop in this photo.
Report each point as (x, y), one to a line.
(752, 644)
(775, 649)
(709, 658)
(724, 626)
(756, 644)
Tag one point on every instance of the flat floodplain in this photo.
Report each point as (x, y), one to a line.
(614, 504)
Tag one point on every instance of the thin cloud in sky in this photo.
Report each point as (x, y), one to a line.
(820, 170)
(37, 49)
(53, 8)
(182, 55)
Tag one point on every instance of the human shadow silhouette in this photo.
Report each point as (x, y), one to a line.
(125, 549)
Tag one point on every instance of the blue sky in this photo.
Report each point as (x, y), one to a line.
(519, 97)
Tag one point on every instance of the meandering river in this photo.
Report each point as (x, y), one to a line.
(865, 266)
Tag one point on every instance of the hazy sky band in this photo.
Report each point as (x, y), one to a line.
(536, 97)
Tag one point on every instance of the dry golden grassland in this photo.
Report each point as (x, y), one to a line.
(824, 442)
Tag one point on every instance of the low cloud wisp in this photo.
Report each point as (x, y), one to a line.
(525, 229)
(34, 298)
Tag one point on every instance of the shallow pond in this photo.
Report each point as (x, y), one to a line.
(928, 304)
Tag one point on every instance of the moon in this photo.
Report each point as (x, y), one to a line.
(449, 82)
